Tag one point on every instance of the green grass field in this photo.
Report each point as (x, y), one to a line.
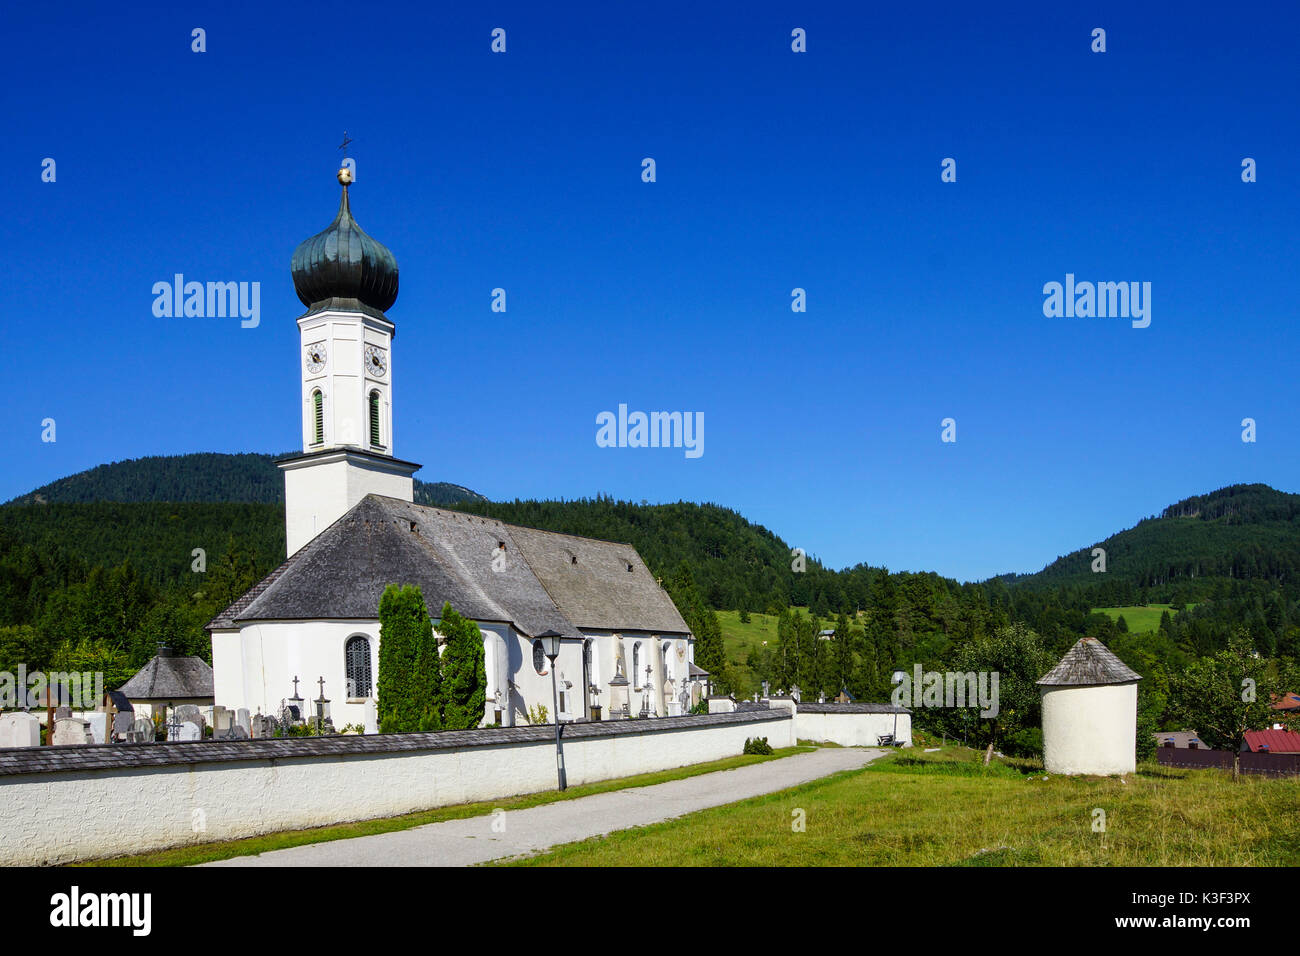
(1141, 618)
(946, 809)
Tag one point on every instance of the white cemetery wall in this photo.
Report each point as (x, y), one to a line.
(99, 810)
(825, 723)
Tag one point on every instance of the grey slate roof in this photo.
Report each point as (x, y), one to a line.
(342, 572)
(590, 581)
(1089, 663)
(170, 678)
(21, 760)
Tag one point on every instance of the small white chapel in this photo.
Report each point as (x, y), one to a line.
(310, 628)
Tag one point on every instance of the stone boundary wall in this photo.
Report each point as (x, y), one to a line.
(853, 725)
(849, 725)
(62, 804)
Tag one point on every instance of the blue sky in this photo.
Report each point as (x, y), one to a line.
(775, 170)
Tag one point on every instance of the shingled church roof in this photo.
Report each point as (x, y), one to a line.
(541, 581)
(1089, 663)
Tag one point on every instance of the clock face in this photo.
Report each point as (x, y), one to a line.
(316, 357)
(376, 361)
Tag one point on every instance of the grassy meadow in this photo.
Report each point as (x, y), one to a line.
(1141, 618)
(946, 809)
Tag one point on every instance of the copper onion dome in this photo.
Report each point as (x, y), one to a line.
(342, 262)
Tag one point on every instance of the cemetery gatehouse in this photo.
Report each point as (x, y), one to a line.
(307, 636)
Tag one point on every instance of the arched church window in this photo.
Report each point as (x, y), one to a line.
(356, 653)
(318, 417)
(636, 664)
(374, 419)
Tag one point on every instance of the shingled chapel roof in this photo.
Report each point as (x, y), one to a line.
(166, 677)
(1089, 663)
(540, 581)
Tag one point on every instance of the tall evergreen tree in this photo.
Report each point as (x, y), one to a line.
(464, 678)
(409, 683)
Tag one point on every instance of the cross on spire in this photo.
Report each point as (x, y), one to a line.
(344, 145)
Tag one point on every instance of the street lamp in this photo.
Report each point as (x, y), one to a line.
(551, 648)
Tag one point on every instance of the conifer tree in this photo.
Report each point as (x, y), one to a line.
(464, 675)
(409, 684)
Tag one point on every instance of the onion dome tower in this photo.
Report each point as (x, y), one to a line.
(343, 267)
(1089, 712)
(348, 281)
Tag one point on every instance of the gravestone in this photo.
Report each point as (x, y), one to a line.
(192, 714)
(62, 712)
(189, 731)
(244, 722)
(70, 732)
(98, 723)
(20, 730)
(223, 722)
(142, 731)
(238, 733)
(258, 731)
(123, 724)
(370, 722)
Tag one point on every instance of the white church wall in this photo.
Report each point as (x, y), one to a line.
(532, 688)
(272, 653)
(100, 810)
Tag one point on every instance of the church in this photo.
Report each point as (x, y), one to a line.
(310, 628)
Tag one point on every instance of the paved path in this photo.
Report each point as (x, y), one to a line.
(465, 842)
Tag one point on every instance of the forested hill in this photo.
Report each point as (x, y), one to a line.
(202, 477)
(1236, 533)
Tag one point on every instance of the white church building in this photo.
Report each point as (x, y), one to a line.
(352, 529)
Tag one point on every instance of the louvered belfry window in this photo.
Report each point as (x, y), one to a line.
(374, 419)
(318, 417)
(357, 659)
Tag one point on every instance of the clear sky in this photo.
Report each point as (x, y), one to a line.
(775, 170)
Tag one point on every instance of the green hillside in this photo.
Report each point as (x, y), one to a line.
(1239, 532)
(98, 582)
(199, 477)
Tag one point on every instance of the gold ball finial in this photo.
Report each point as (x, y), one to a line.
(345, 175)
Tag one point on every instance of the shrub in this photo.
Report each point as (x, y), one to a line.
(757, 745)
(1027, 742)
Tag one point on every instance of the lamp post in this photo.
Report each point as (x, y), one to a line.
(551, 647)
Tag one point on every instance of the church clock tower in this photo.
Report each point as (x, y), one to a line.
(347, 281)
